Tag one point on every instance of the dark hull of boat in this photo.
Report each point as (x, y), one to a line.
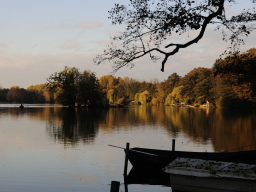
(165, 157)
(148, 177)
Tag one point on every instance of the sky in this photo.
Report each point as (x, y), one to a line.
(38, 38)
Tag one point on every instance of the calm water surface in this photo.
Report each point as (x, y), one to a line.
(52, 148)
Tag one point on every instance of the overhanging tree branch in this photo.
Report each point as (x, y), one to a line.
(152, 23)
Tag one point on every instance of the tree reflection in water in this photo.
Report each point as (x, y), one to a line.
(73, 125)
(225, 129)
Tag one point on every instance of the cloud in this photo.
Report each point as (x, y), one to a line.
(71, 44)
(84, 25)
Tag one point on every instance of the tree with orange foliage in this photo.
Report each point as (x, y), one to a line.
(16, 94)
(238, 73)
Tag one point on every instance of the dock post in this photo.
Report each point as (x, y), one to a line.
(173, 145)
(126, 158)
(125, 184)
(115, 186)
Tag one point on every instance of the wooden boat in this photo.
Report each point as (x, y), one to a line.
(212, 176)
(142, 157)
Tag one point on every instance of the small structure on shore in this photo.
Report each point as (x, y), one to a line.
(209, 103)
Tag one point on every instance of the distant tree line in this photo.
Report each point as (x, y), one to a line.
(33, 94)
(231, 82)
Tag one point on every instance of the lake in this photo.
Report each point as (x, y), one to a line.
(53, 148)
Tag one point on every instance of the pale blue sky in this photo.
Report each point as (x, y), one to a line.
(38, 38)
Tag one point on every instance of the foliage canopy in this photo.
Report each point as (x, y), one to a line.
(73, 86)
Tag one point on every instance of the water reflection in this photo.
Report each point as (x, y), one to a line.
(32, 139)
(229, 130)
(71, 126)
(226, 130)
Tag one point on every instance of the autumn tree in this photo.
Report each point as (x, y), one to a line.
(134, 88)
(65, 81)
(149, 24)
(36, 93)
(169, 100)
(175, 96)
(154, 101)
(189, 82)
(236, 75)
(16, 94)
(160, 94)
(88, 88)
(170, 83)
(123, 87)
(3, 93)
(204, 84)
(48, 96)
(111, 96)
(147, 86)
(107, 81)
(223, 93)
(137, 99)
(71, 86)
(144, 97)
